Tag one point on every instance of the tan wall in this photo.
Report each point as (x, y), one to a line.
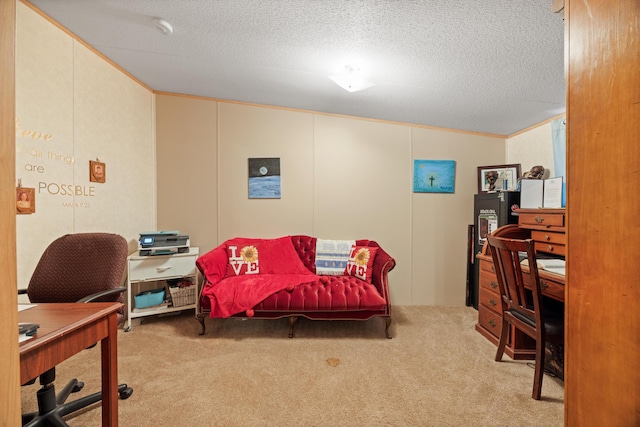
(531, 148)
(247, 131)
(440, 221)
(341, 178)
(80, 108)
(187, 168)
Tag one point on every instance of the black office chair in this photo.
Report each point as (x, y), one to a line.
(523, 307)
(82, 267)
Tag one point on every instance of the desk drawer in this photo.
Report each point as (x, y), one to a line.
(552, 289)
(491, 300)
(541, 220)
(549, 237)
(550, 248)
(549, 287)
(490, 282)
(489, 320)
(161, 267)
(487, 266)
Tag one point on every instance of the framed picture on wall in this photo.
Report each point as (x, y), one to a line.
(434, 176)
(498, 177)
(97, 171)
(25, 200)
(264, 178)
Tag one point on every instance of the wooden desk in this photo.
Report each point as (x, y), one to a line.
(547, 228)
(67, 329)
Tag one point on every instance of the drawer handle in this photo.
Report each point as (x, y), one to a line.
(550, 248)
(162, 269)
(543, 285)
(493, 268)
(493, 284)
(492, 323)
(546, 237)
(539, 219)
(493, 302)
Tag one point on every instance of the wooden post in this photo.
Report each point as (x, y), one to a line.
(602, 361)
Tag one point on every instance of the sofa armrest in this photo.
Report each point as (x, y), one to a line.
(382, 265)
(213, 264)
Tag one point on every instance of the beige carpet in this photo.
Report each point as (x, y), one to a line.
(436, 371)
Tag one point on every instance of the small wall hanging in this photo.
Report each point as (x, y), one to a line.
(25, 200)
(97, 171)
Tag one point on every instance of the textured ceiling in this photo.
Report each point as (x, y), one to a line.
(491, 66)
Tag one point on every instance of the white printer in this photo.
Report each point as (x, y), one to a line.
(162, 243)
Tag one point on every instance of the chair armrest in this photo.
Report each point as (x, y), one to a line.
(101, 294)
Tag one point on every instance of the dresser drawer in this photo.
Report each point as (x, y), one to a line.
(490, 300)
(489, 320)
(161, 267)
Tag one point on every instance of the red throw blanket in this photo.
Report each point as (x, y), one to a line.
(266, 267)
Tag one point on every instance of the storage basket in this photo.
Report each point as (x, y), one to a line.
(149, 298)
(183, 296)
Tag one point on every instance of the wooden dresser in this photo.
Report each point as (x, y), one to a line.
(547, 228)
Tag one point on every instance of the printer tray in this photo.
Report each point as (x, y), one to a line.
(163, 251)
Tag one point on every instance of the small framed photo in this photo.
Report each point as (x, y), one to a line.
(97, 172)
(25, 200)
(498, 177)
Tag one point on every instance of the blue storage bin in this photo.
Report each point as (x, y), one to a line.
(149, 298)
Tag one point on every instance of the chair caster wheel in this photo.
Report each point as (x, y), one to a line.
(126, 393)
(127, 329)
(79, 386)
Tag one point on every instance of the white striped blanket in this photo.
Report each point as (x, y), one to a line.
(332, 256)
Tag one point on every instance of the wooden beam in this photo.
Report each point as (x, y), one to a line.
(10, 379)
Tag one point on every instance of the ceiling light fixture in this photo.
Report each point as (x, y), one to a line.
(351, 79)
(163, 26)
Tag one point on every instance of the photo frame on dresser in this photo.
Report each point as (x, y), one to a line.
(505, 177)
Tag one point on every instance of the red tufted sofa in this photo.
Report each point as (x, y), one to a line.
(324, 297)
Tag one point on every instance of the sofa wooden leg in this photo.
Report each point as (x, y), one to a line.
(200, 318)
(387, 321)
(292, 321)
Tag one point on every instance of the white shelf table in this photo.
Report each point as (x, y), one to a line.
(158, 268)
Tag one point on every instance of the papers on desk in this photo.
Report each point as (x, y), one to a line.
(552, 265)
(23, 337)
(541, 193)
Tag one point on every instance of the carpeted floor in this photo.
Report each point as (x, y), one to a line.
(436, 371)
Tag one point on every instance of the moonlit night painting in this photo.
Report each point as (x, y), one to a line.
(264, 178)
(434, 176)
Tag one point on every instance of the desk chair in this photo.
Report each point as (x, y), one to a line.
(81, 267)
(521, 307)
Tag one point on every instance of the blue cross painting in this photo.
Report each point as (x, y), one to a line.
(434, 176)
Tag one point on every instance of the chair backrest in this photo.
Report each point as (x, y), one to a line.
(77, 265)
(522, 303)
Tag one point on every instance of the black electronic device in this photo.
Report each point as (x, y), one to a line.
(492, 210)
(162, 243)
